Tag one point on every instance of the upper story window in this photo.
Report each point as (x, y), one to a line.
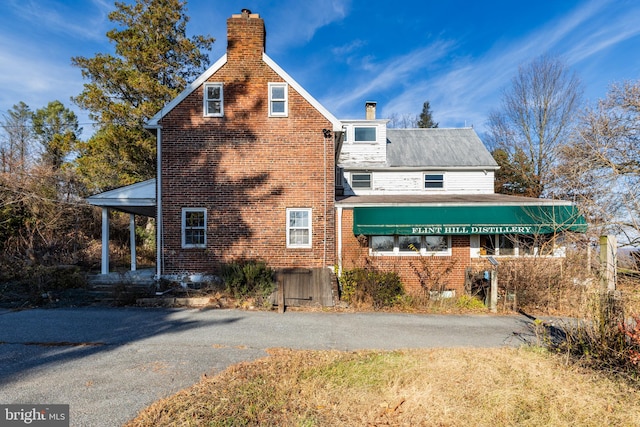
(213, 100)
(433, 180)
(299, 228)
(194, 227)
(364, 134)
(278, 100)
(361, 180)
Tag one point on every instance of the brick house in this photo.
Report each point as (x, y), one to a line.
(251, 166)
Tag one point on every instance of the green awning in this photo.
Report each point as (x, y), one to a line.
(439, 220)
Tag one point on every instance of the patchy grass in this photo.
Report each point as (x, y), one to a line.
(438, 387)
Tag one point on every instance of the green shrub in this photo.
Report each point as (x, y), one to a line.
(468, 302)
(248, 279)
(369, 286)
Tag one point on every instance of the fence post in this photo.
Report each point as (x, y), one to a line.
(608, 261)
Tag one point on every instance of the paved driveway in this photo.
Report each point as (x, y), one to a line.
(109, 363)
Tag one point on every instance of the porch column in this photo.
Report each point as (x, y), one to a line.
(105, 241)
(132, 239)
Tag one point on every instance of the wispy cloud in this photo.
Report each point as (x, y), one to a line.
(295, 22)
(64, 19)
(389, 74)
(464, 90)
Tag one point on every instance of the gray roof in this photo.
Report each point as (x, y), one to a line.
(437, 147)
(492, 199)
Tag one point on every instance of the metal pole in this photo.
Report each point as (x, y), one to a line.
(494, 291)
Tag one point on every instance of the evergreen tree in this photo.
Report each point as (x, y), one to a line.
(57, 130)
(153, 62)
(426, 117)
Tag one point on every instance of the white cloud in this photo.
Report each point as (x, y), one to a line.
(296, 22)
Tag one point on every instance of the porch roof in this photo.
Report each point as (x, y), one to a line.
(138, 198)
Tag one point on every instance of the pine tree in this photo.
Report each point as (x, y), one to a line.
(426, 117)
(153, 62)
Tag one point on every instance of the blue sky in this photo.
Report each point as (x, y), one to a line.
(459, 55)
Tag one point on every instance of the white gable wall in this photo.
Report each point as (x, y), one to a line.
(412, 182)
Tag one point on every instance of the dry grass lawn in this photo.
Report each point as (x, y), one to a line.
(439, 387)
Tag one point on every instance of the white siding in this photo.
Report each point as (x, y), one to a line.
(364, 152)
(412, 182)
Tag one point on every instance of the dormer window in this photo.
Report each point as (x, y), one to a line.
(364, 134)
(213, 100)
(278, 101)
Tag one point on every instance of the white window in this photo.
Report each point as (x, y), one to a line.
(410, 245)
(298, 228)
(278, 100)
(364, 134)
(213, 100)
(433, 180)
(194, 227)
(360, 180)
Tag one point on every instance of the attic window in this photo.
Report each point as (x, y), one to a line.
(278, 100)
(213, 100)
(364, 134)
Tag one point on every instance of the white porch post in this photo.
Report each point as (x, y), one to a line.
(132, 239)
(105, 241)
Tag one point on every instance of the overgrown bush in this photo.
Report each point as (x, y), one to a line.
(248, 278)
(544, 285)
(31, 284)
(368, 286)
(605, 340)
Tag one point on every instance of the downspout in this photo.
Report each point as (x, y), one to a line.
(327, 134)
(339, 213)
(159, 240)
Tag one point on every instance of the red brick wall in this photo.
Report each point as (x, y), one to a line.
(356, 254)
(246, 168)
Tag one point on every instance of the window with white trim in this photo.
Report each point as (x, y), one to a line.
(364, 134)
(433, 181)
(213, 100)
(278, 100)
(410, 245)
(194, 227)
(360, 180)
(519, 245)
(298, 228)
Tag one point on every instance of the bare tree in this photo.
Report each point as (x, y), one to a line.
(600, 168)
(536, 118)
(405, 121)
(16, 143)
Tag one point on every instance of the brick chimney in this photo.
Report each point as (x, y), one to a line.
(370, 110)
(246, 36)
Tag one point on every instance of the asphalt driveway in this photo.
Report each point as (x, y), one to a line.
(109, 363)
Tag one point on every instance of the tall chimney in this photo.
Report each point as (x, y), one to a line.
(246, 36)
(370, 110)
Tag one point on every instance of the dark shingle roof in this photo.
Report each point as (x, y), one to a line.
(436, 147)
